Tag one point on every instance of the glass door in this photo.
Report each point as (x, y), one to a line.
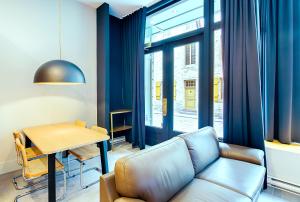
(155, 113)
(172, 89)
(186, 87)
(154, 89)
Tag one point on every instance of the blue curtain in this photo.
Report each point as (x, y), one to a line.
(243, 119)
(280, 56)
(243, 124)
(133, 37)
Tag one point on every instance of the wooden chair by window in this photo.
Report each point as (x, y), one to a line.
(85, 153)
(31, 153)
(36, 168)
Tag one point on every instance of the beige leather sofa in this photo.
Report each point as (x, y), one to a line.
(192, 167)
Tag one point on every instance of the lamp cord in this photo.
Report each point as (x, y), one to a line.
(59, 28)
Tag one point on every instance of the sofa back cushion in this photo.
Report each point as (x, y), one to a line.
(203, 147)
(155, 174)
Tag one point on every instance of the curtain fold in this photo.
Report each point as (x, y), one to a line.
(133, 37)
(243, 124)
(280, 31)
(243, 119)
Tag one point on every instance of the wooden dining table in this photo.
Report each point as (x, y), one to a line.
(54, 138)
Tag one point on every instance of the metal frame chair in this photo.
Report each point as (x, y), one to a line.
(83, 154)
(31, 152)
(35, 169)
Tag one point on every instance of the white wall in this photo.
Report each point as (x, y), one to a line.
(283, 164)
(28, 38)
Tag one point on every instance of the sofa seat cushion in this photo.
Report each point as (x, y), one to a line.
(155, 174)
(203, 147)
(242, 177)
(204, 191)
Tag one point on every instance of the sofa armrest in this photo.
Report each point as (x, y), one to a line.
(125, 199)
(250, 155)
(108, 191)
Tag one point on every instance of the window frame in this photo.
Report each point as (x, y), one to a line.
(207, 101)
(166, 5)
(190, 54)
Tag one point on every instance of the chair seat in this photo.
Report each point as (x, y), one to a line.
(86, 152)
(39, 167)
(33, 152)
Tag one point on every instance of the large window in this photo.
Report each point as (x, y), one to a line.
(217, 10)
(176, 76)
(153, 89)
(186, 75)
(218, 84)
(182, 17)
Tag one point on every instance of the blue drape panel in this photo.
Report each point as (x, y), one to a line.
(280, 56)
(243, 123)
(133, 37)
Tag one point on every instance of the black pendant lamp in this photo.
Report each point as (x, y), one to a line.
(59, 72)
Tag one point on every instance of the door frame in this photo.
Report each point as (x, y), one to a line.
(154, 134)
(170, 72)
(206, 102)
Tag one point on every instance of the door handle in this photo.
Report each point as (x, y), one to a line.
(164, 107)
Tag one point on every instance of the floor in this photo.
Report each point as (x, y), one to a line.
(76, 194)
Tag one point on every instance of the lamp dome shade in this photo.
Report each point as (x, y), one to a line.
(59, 72)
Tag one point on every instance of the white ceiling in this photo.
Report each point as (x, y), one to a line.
(120, 8)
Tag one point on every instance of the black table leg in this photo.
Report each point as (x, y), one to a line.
(51, 178)
(27, 142)
(103, 154)
(65, 154)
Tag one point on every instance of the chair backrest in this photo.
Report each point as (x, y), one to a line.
(80, 123)
(22, 152)
(21, 137)
(99, 129)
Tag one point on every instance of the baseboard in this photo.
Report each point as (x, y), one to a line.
(8, 166)
(279, 184)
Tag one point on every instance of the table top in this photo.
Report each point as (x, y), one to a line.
(55, 138)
